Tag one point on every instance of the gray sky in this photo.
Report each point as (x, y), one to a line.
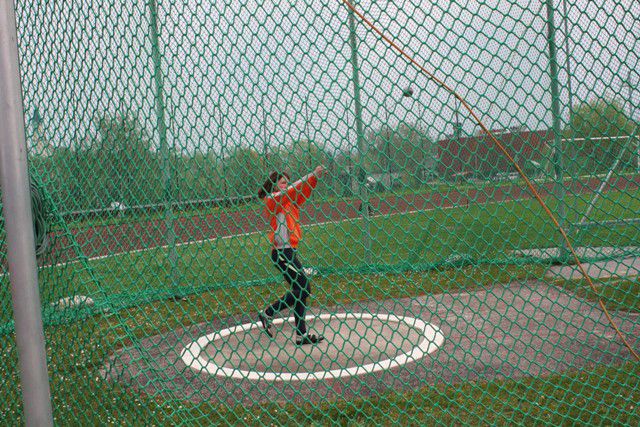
(281, 71)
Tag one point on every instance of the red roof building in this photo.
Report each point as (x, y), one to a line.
(479, 157)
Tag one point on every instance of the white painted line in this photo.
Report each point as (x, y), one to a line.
(432, 338)
(308, 225)
(153, 248)
(194, 242)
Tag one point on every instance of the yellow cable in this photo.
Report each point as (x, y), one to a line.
(508, 156)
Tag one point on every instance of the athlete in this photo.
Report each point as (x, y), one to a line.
(283, 201)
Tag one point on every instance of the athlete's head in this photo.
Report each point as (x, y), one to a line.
(276, 181)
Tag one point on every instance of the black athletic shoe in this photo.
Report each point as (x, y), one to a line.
(309, 339)
(266, 323)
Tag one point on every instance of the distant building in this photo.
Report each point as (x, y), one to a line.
(478, 156)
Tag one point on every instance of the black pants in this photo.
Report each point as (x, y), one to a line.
(287, 262)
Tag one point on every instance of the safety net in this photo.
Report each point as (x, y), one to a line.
(446, 232)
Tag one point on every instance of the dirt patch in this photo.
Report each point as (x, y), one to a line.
(507, 331)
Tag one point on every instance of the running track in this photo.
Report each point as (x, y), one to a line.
(100, 241)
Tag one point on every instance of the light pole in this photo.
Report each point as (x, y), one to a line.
(630, 88)
(406, 93)
(306, 129)
(306, 119)
(222, 149)
(265, 141)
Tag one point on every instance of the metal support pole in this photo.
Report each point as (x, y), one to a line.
(361, 173)
(631, 111)
(223, 147)
(565, 18)
(18, 219)
(387, 182)
(306, 119)
(555, 115)
(605, 182)
(265, 138)
(164, 149)
(629, 87)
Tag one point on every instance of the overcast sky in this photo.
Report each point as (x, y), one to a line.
(248, 73)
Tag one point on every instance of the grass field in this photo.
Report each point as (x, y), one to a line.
(406, 242)
(429, 252)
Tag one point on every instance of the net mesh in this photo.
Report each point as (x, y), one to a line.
(443, 289)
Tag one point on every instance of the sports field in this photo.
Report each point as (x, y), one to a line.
(400, 240)
(464, 178)
(438, 263)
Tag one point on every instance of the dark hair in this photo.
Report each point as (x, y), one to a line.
(268, 185)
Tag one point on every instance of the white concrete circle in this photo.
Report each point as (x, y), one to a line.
(431, 339)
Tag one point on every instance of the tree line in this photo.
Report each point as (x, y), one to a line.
(120, 165)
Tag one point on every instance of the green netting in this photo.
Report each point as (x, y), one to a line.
(444, 290)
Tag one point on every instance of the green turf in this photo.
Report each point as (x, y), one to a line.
(480, 232)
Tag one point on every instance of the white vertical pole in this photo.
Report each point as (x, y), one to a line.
(16, 202)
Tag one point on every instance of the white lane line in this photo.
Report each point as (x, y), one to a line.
(193, 242)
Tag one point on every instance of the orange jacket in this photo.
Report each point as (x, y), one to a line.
(288, 204)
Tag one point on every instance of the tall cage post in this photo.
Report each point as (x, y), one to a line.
(560, 189)
(361, 173)
(565, 19)
(629, 84)
(223, 147)
(164, 149)
(265, 141)
(18, 219)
